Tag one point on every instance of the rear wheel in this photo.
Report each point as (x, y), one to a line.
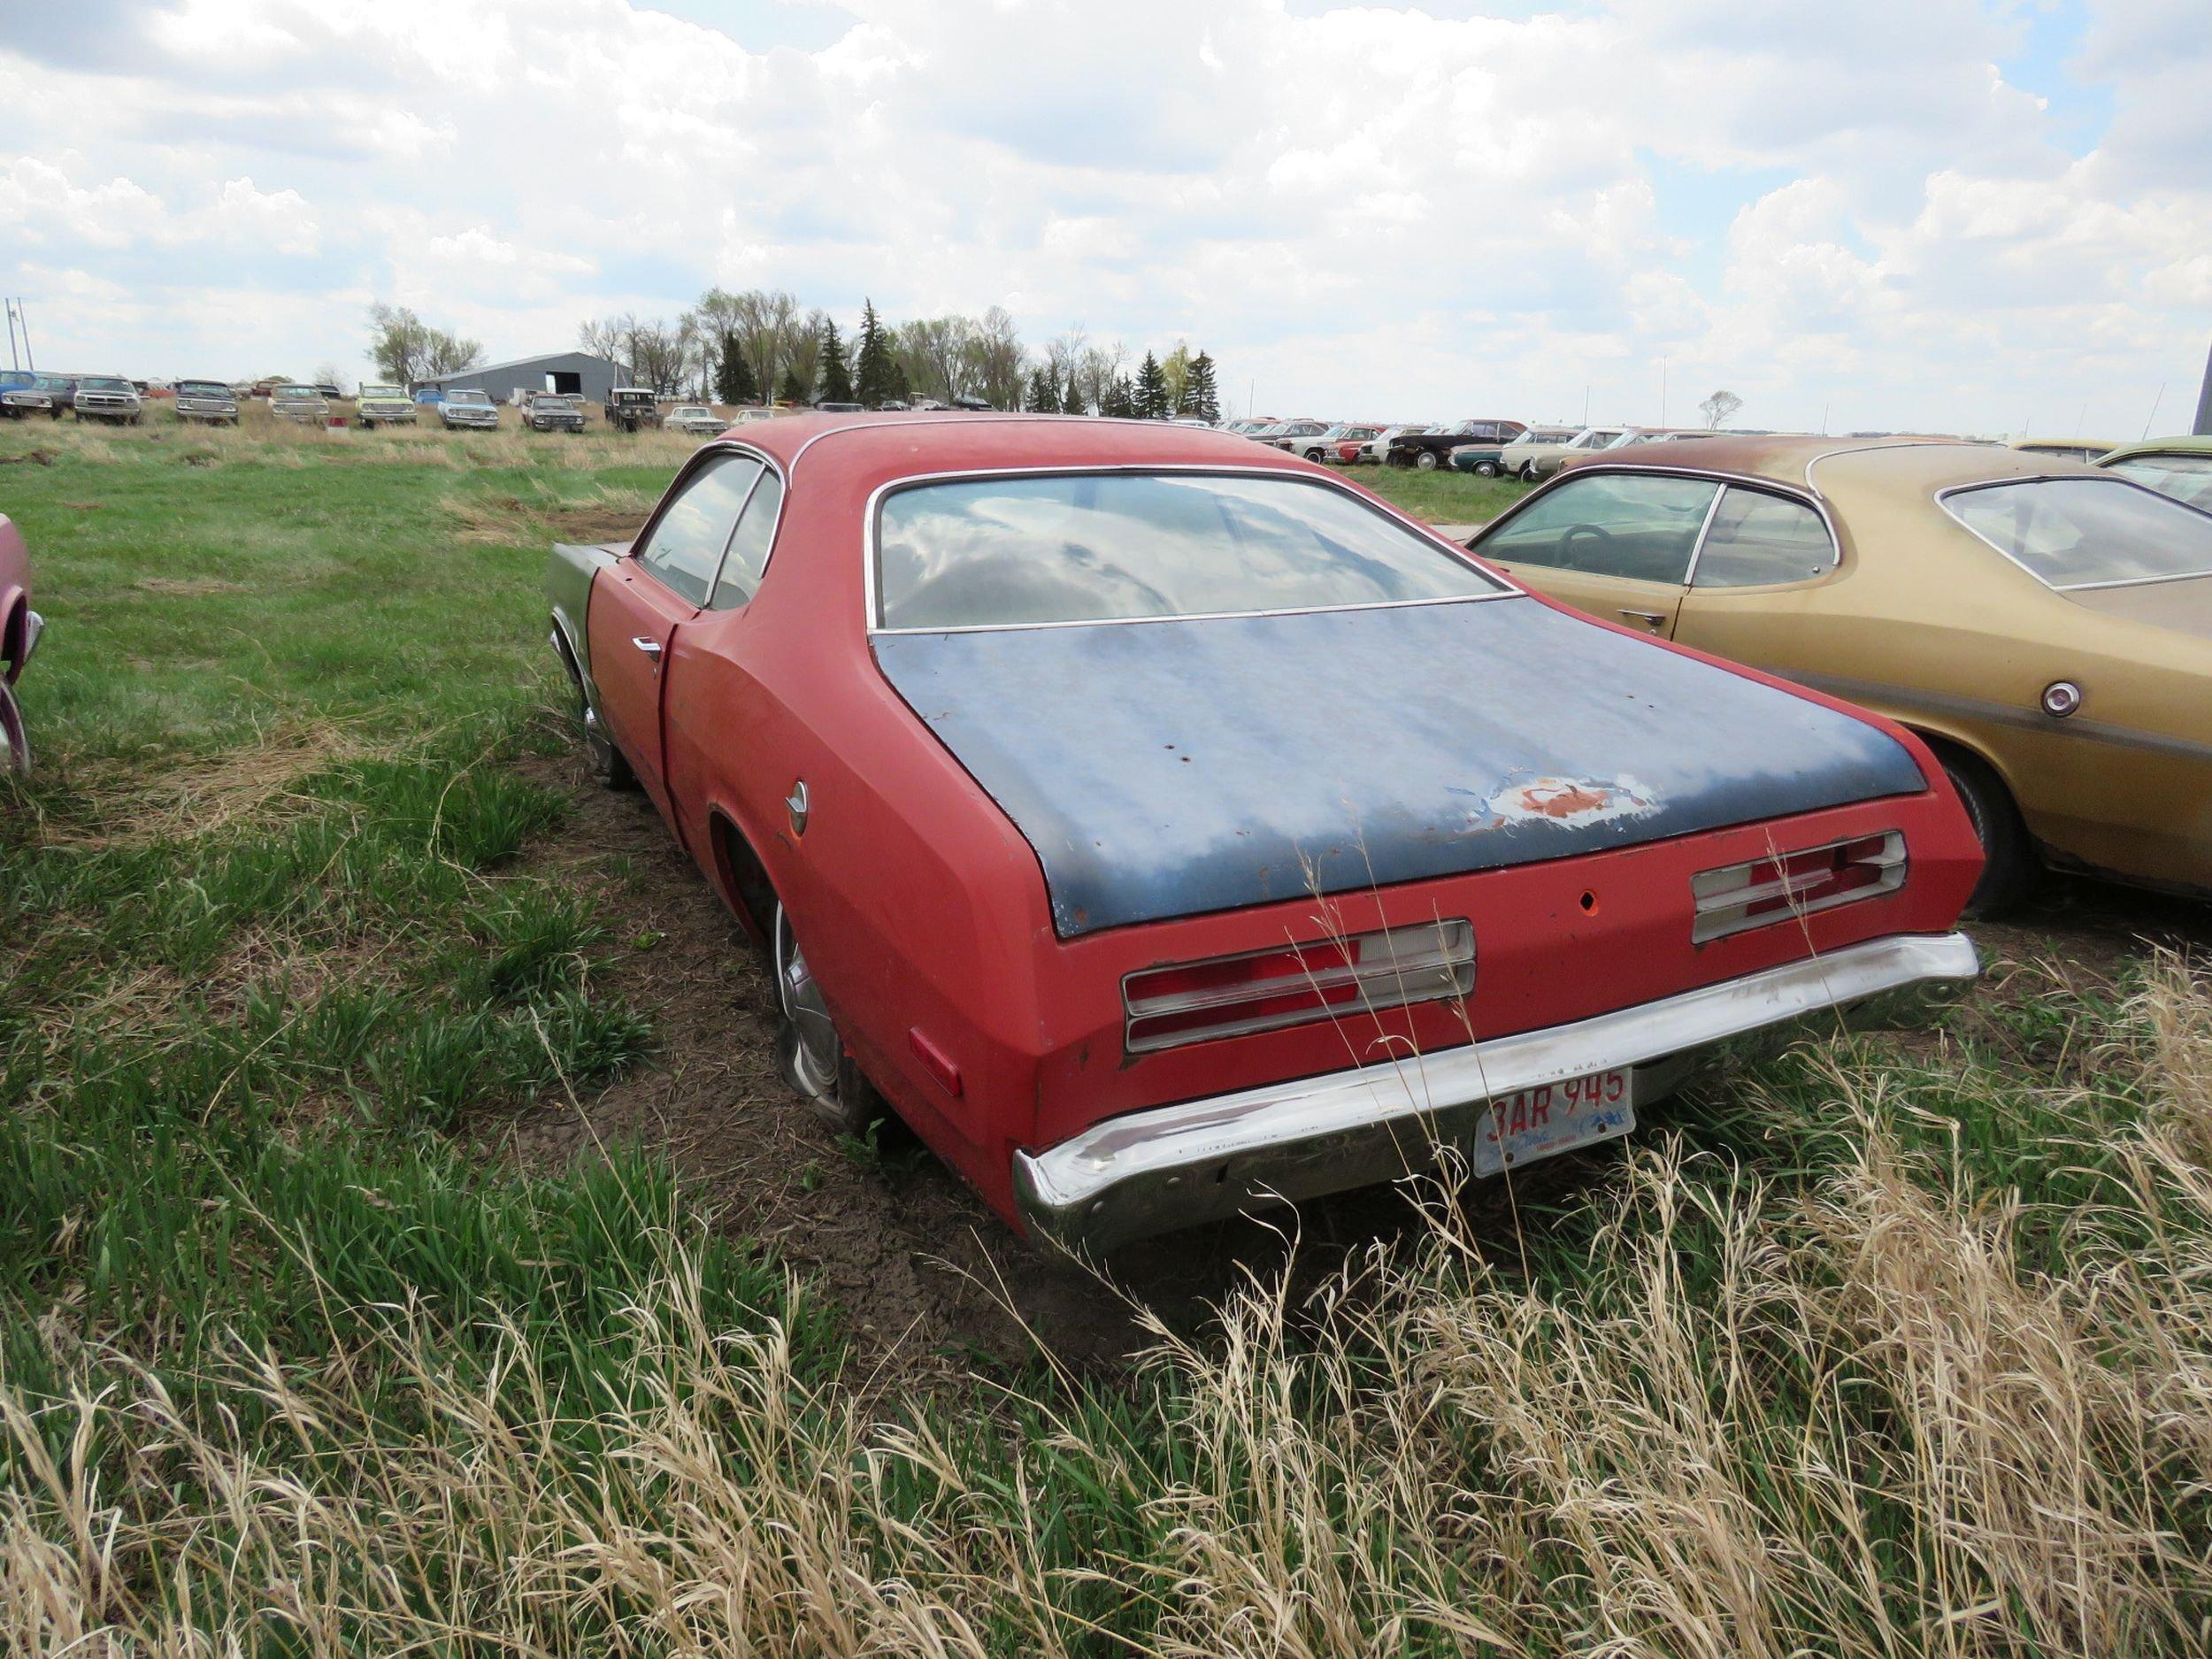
(1486, 469)
(15, 747)
(808, 1050)
(2008, 861)
(1425, 460)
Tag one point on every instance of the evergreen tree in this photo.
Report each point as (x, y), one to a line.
(1120, 399)
(1074, 405)
(791, 391)
(873, 382)
(902, 388)
(733, 381)
(1043, 394)
(1201, 396)
(837, 380)
(1151, 390)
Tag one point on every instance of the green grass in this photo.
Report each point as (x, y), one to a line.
(1868, 1349)
(1442, 496)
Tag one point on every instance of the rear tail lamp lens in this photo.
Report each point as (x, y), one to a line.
(1233, 996)
(1742, 897)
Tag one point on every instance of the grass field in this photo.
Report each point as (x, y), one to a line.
(1886, 1347)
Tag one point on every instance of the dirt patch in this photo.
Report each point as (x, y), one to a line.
(37, 457)
(134, 805)
(607, 514)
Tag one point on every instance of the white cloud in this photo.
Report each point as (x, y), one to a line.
(1369, 209)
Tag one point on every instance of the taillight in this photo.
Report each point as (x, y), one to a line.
(1740, 897)
(1233, 996)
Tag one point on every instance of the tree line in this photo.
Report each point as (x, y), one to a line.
(760, 346)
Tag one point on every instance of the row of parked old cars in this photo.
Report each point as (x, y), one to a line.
(1489, 448)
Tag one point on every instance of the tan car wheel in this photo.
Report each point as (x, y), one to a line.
(2008, 861)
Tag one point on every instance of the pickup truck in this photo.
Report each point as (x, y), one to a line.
(629, 407)
(1430, 449)
(553, 412)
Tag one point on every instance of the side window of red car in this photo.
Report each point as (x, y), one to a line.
(748, 556)
(684, 548)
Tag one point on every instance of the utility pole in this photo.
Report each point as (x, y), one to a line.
(23, 321)
(1662, 391)
(14, 361)
(2204, 399)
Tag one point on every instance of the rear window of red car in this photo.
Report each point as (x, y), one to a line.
(1016, 552)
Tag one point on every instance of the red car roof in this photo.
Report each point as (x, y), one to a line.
(894, 444)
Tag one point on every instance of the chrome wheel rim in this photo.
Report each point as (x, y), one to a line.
(15, 749)
(812, 1050)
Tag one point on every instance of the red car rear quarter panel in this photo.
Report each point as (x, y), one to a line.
(917, 899)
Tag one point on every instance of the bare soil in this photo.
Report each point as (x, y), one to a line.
(930, 1280)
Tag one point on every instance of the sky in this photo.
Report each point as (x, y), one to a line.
(1983, 216)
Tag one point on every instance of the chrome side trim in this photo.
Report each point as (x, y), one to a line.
(1943, 702)
(1170, 1166)
(34, 625)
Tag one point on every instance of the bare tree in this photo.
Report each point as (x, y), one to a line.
(607, 338)
(1718, 408)
(1100, 369)
(994, 350)
(450, 354)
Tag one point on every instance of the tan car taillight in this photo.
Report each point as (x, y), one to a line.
(1740, 896)
(1233, 996)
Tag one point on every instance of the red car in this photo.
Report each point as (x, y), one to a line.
(19, 628)
(1162, 825)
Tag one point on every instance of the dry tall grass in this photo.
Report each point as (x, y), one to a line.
(1882, 1408)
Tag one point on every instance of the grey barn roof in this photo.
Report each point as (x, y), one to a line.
(542, 361)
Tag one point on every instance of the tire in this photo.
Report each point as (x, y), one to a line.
(809, 1051)
(1528, 471)
(2009, 865)
(1425, 461)
(15, 744)
(608, 766)
(1486, 469)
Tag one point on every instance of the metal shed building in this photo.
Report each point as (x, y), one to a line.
(587, 376)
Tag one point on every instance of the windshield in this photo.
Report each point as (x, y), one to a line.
(2184, 477)
(1094, 548)
(2087, 532)
(558, 400)
(368, 392)
(102, 383)
(474, 399)
(201, 388)
(18, 378)
(289, 393)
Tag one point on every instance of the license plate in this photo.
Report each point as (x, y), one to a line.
(1554, 1117)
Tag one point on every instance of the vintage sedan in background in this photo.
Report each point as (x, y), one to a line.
(2179, 467)
(26, 392)
(19, 628)
(302, 404)
(2064, 449)
(695, 419)
(384, 406)
(2045, 626)
(469, 408)
(212, 401)
(979, 723)
(1376, 449)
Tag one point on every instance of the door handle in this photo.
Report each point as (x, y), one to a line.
(1657, 618)
(650, 647)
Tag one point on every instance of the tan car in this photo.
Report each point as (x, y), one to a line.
(2179, 467)
(2047, 627)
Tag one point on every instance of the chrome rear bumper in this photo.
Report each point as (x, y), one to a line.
(1173, 1166)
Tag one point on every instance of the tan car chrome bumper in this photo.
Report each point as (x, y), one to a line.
(1173, 1166)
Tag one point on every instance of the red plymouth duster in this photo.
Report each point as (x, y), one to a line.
(1162, 825)
(20, 627)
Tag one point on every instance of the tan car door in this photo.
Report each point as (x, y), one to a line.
(1616, 545)
(1755, 580)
